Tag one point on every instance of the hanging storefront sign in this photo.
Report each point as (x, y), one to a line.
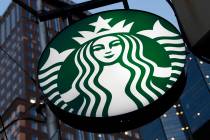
(113, 71)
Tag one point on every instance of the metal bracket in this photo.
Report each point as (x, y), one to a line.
(63, 9)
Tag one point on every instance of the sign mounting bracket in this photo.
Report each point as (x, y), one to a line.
(63, 9)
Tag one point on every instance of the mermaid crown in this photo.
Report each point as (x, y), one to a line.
(100, 24)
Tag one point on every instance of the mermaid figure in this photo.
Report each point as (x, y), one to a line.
(114, 73)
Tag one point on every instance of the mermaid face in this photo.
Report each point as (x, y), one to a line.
(107, 49)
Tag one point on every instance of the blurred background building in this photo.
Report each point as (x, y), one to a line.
(190, 117)
(19, 53)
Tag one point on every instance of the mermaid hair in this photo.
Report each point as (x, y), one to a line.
(96, 98)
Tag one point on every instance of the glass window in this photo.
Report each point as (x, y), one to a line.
(13, 18)
(33, 113)
(80, 135)
(90, 136)
(8, 26)
(14, 75)
(2, 90)
(2, 81)
(8, 83)
(7, 62)
(128, 133)
(19, 58)
(101, 137)
(110, 137)
(44, 128)
(13, 67)
(137, 135)
(8, 95)
(32, 88)
(31, 35)
(0, 37)
(8, 72)
(18, 12)
(56, 25)
(69, 136)
(28, 2)
(48, 24)
(2, 102)
(14, 87)
(13, 37)
(11, 137)
(2, 33)
(172, 125)
(34, 137)
(20, 91)
(195, 99)
(19, 80)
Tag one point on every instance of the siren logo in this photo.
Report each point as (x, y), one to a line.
(111, 64)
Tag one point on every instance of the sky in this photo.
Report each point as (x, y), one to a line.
(159, 7)
(3, 5)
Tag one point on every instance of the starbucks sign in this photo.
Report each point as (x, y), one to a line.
(113, 71)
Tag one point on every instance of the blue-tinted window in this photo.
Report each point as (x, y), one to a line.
(13, 18)
(2, 33)
(33, 114)
(80, 135)
(69, 136)
(110, 137)
(90, 136)
(196, 98)
(8, 27)
(156, 128)
(34, 138)
(172, 125)
(101, 137)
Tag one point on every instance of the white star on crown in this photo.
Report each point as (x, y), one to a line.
(100, 24)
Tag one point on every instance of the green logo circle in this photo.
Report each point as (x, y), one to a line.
(111, 63)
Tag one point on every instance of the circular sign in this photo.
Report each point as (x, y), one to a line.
(113, 71)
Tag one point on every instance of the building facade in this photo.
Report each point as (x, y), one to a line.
(189, 118)
(189, 114)
(20, 51)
